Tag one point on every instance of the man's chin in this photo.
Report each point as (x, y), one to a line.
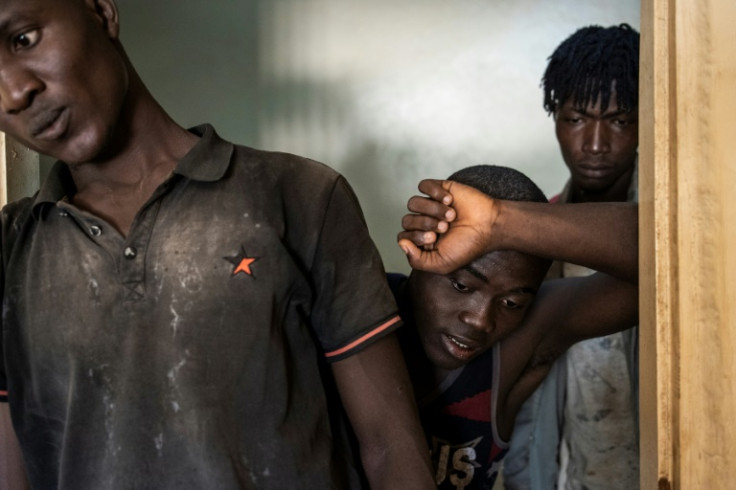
(447, 362)
(592, 185)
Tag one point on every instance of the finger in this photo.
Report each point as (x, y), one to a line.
(423, 260)
(410, 250)
(436, 190)
(418, 259)
(422, 239)
(419, 222)
(432, 208)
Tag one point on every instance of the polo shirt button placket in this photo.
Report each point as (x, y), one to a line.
(130, 253)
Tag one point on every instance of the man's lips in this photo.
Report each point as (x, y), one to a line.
(460, 347)
(48, 124)
(594, 170)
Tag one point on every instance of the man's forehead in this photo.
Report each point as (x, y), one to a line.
(591, 96)
(503, 263)
(25, 4)
(14, 12)
(11, 7)
(594, 105)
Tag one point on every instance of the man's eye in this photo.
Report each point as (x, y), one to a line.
(511, 305)
(459, 286)
(26, 39)
(573, 120)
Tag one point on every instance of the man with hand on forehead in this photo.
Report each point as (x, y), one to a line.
(180, 311)
(482, 328)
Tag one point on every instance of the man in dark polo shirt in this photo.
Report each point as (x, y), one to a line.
(178, 309)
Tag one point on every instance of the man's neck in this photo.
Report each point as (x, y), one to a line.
(578, 195)
(147, 148)
(618, 192)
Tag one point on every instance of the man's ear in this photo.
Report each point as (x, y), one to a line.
(106, 11)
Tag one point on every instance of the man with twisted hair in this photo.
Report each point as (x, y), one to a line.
(585, 415)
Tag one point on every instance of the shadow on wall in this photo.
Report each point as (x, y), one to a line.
(382, 204)
(393, 91)
(199, 59)
(318, 121)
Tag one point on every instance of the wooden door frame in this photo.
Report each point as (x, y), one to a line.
(687, 244)
(19, 170)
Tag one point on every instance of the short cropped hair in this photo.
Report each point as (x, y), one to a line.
(500, 183)
(587, 63)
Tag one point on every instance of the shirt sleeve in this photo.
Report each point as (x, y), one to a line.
(354, 306)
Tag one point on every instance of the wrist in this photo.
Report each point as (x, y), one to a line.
(500, 214)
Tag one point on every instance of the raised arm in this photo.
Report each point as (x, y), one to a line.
(377, 395)
(12, 470)
(469, 223)
(565, 311)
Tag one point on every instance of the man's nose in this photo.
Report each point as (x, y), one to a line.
(596, 138)
(18, 87)
(480, 318)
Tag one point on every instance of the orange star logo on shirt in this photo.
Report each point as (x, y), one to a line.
(244, 266)
(242, 263)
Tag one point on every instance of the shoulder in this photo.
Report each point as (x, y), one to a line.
(15, 218)
(15, 209)
(396, 281)
(16, 213)
(215, 159)
(286, 167)
(564, 195)
(292, 179)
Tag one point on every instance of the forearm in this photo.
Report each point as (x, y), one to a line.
(457, 224)
(601, 236)
(580, 308)
(399, 463)
(377, 394)
(12, 470)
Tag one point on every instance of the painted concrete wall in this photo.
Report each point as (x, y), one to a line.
(385, 91)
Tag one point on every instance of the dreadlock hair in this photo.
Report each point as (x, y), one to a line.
(500, 183)
(587, 63)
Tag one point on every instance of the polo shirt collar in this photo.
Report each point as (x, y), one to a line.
(57, 185)
(207, 161)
